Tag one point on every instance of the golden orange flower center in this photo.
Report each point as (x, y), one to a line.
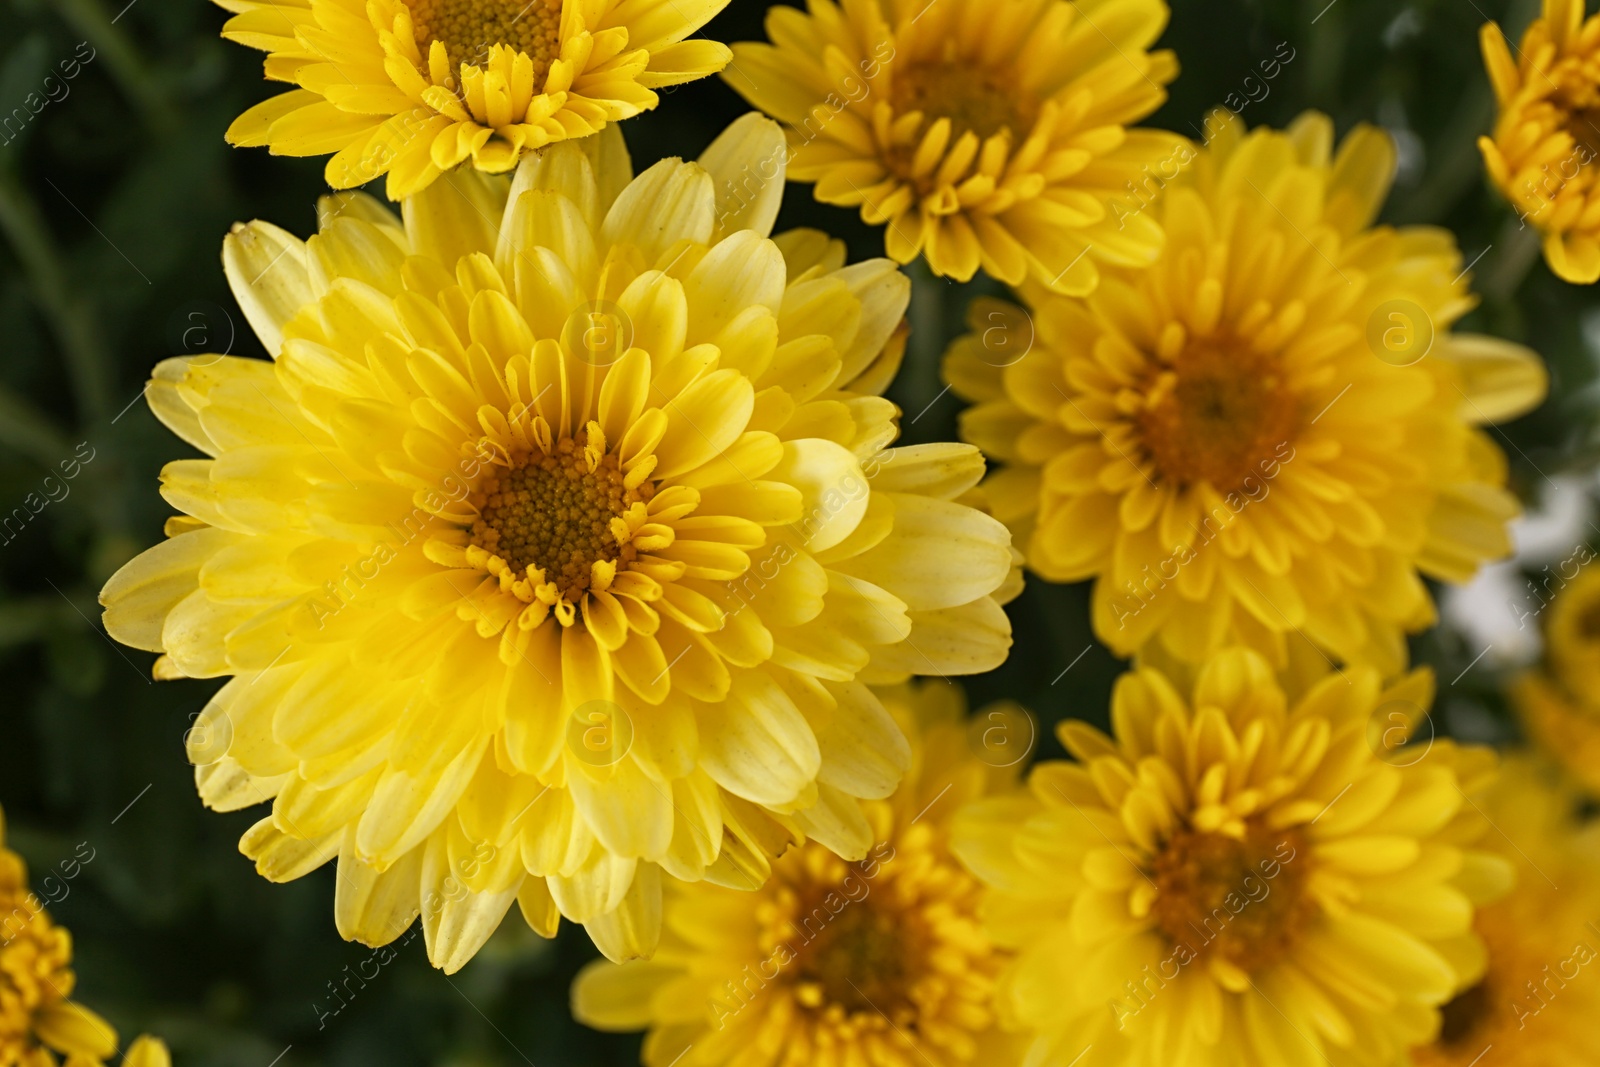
(1244, 898)
(1506, 1009)
(971, 98)
(859, 960)
(870, 946)
(1464, 1016)
(1587, 623)
(552, 513)
(469, 28)
(1216, 415)
(1584, 126)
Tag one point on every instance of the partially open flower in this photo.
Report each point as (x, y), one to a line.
(39, 1025)
(1545, 152)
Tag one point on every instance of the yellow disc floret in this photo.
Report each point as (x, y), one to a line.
(1215, 414)
(555, 513)
(469, 28)
(1197, 872)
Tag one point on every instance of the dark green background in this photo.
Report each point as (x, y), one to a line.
(113, 205)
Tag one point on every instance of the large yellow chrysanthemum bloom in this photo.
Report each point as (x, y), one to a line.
(1237, 878)
(1538, 1003)
(557, 546)
(986, 133)
(413, 88)
(882, 961)
(1272, 431)
(39, 1025)
(1545, 152)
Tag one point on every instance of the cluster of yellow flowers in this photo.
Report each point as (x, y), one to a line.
(40, 1026)
(561, 556)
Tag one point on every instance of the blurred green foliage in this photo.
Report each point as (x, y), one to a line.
(113, 201)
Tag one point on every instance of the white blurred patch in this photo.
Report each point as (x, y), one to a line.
(1411, 155)
(1499, 609)
(1405, 26)
(1589, 326)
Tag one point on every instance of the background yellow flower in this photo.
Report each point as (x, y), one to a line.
(1563, 723)
(1270, 433)
(981, 133)
(39, 1025)
(1538, 1001)
(1558, 700)
(1237, 877)
(1544, 152)
(880, 961)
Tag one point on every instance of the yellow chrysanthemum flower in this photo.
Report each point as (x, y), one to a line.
(39, 1025)
(1239, 877)
(1272, 431)
(414, 88)
(1559, 701)
(981, 133)
(557, 547)
(1547, 137)
(1572, 631)
(1537, 1004)
(1563, 724)
(881, 961)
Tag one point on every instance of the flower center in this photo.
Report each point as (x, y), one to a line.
(1525, 976)
(469, 28)
(970, 98)
(1584, 126)
(555, 513)
(1217, 414)
(1244, 899)
(1464, 1016)
(868, 946)
(859, 960)
(1588, 623)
